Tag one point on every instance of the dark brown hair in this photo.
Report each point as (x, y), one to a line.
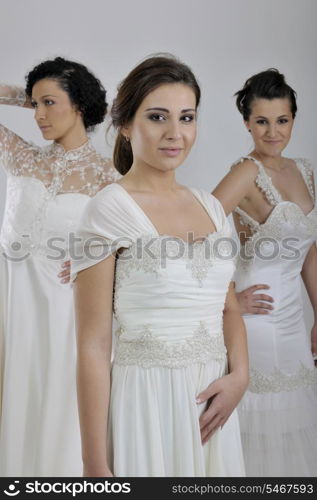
(269, 84)
(147, 76)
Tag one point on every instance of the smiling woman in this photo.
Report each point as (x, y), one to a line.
(273, 202)
(39, 429)
(180, 361)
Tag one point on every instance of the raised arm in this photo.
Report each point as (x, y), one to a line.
(225, 393)
(14, 96)
(93, 291)
(12, 145)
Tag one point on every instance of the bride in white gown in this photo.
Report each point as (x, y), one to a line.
(274, 208)
(180, 360)
(47, 190)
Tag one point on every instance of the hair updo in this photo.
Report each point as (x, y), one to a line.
(83, 88)
(143, 79)
(269, 84)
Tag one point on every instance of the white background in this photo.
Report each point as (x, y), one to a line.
(224, 42)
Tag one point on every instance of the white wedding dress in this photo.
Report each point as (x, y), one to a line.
(278, 412)
(47, 190)
(168, 301)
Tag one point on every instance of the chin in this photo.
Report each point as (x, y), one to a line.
(49, 136)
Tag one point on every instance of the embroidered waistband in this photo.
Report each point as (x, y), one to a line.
(147, 351)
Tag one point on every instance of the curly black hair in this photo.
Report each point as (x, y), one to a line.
(83, 88)
(269, 84)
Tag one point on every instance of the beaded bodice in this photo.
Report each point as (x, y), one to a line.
(169, 294)
(286, 218)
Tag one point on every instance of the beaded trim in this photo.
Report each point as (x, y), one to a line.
(279, 381)
(146, 351)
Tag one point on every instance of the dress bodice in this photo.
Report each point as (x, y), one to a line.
(47, 189)
(277, 248)
(286, 224)
(168, 294)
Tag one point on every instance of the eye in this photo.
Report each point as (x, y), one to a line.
(188, 118)
(283, 120)
(48, 102)
(156, 117)
(261, 121)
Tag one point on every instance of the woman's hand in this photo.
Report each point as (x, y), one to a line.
(64, 275)
(254, 303)
(314, 343)
(222, 396)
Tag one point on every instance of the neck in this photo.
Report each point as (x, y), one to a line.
(273, 162)
(142, 177)
(73, 139)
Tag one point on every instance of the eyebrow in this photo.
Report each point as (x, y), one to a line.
(167, 111)
(265, 118)
(46, 95)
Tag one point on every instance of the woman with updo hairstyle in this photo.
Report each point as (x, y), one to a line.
(47, 190)
(272, 199)
(165, 406)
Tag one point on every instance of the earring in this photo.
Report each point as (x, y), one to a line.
(249, 129)
(127, 138)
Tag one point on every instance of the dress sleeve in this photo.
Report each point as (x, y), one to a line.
(13, 148)
(216, 211)
(102, 231)
(15, 152)
(12, 95)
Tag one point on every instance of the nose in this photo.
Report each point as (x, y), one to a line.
(271, 130)
(40, 113)
(173, 132)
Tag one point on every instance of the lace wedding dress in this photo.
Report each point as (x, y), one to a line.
(168, 301)
(278, 412)
(47, 190)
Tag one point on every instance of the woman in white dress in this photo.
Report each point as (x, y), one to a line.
(273, 203)
(180, 359)
(47, 190)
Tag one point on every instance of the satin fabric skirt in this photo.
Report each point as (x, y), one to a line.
(154, 424)
(39, 426)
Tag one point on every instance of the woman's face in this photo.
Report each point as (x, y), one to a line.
(163, 129)
(271, 124)
(56, 116)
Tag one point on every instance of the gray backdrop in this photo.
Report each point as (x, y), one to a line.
(224, 41)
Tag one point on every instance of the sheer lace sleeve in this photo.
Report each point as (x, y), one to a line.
(13, 149)
(15, 152)
(10, 94)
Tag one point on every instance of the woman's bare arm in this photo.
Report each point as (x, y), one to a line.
(236, 185)
(93, 290)
(225, 393)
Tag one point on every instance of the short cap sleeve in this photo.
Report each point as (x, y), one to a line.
(101, 231)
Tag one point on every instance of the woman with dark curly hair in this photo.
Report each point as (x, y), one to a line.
(273, 202)
(47, 190)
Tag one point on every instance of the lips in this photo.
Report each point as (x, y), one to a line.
(171, 152)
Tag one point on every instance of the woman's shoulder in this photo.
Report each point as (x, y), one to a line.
(247, 165)
(306, 163)
(108, 197)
